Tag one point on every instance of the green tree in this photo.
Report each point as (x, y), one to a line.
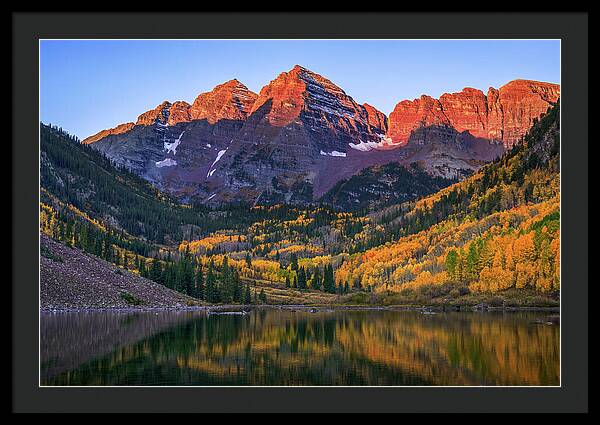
(155, 270)
(452, 264)
(294, 262)
(329, 279)
(471, 271)
(301, 279)
(142, 268)
(236, 287)
(199, 292)
(212, 292)
(247, 295)
(316, 280)
(262, 296)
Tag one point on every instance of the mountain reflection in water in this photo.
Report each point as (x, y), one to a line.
(281, 347)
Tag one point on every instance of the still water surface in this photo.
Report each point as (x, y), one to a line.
(281, 347)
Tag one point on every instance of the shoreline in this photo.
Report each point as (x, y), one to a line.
(233, 308)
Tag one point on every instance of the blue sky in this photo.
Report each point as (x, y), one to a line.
(87, 86)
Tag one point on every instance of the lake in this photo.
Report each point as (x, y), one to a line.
(284, 347)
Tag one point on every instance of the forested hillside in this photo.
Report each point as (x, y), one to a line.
(89, 203)
(527, 174)
(497, 231)
(383, 185)
(77, 175)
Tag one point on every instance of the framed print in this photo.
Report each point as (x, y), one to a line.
(241, 213)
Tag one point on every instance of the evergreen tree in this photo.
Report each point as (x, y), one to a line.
(316, 280)
(155, 270)
(452, 264)
(142, 268)
(247, 296)
(199, 293)
(212, 293)
(301, 279)
(169, 275)
(329, 279)
(263, 296)
(237, 287)
(294, 262)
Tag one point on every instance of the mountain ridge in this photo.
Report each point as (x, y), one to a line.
(302, 134)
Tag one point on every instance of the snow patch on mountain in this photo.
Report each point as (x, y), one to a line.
(167, 162)
(172, 147)
(219, 155)
(364, 146)
(385, 140)
(334, 153)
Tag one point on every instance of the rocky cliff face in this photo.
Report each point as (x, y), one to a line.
(231, 100)
(522, 101)
(300, 128)
(302, 134)
(121, 128)
(376, 118)
(228, 101)
(503, 115)
(408, 116)
(174, 144)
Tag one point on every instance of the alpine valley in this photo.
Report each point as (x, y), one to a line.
(301, 195)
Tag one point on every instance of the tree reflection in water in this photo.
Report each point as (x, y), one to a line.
(280, 347)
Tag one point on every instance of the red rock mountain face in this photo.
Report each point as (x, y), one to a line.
(503, 115)
(121, 128)
(299, 125)
(302, 94)
(228, 101)
(302, 134)
(376, 118)
(231, 100)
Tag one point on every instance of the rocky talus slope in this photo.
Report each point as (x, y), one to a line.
(71, 279)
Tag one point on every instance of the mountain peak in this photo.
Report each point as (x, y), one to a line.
(302, 90)
(229, 100)
(160, 114)
(306, 74)
(299, 68)
(230, 84)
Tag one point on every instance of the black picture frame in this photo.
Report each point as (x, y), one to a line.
(571, 28)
